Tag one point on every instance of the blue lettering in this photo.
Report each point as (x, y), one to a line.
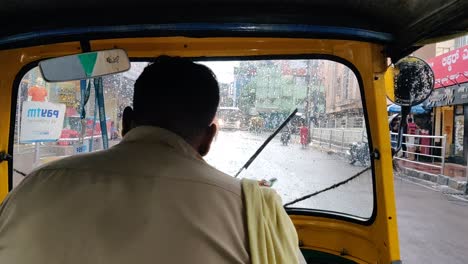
(32, 113)
(38, 112)
(81, 149)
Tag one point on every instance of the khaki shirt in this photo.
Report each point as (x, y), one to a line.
(149, 199)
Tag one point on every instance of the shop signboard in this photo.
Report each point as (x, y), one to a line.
(453, 95)
(450, 68)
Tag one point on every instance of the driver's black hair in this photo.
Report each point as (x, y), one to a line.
(176, 94)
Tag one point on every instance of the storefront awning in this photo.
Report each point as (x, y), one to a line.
(417, 109)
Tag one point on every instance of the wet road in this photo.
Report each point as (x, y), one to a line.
(299, 172)
(433, 227)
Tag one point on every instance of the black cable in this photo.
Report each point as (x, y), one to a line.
(20, 172)
(326, 189)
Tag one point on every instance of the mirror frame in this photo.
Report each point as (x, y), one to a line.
(393, 69)
(41, 63)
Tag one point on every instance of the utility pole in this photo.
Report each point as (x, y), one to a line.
(307, 107)
(465, 145)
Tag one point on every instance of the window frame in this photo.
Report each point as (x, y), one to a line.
(290, 210)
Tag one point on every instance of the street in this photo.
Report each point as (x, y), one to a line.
(299, 172)
(432, 226)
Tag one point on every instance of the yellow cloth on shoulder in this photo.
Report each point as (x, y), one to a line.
(272, 236)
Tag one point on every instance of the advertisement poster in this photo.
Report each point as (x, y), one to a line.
(459, 129)
(41, 121)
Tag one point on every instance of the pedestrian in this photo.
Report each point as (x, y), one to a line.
(304, 133)
(114, 131)
(151, 198)
(412, 129)
(394, 125)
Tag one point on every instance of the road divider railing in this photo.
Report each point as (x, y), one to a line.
(338, 140)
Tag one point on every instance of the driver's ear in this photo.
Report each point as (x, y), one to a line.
(206, 141)
(128, 120)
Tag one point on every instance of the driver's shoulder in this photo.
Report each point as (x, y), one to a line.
(70, 165)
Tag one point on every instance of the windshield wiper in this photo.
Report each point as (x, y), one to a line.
(259, 150)
(327, 189)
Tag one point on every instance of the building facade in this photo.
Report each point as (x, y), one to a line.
(343, 97)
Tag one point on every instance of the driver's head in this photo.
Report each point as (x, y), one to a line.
(178, 95)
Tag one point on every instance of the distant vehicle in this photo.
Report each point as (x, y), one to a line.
(256, 124)
(285, 136)
(229, 118)
(359, 151)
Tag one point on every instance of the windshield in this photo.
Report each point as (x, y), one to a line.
(322, 144)
(228, 113)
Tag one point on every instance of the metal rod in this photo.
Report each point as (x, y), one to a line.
(342, 141)
(259, 150)
(37, 154)
(320, 138)
(443, 154)
(415, 153)
(432, 150)
(415, 145)
(417, 162)
(418, 136)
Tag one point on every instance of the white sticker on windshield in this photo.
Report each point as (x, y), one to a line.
(41, 121)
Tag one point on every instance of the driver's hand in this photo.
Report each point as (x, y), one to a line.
(267, 183)
(264, 183)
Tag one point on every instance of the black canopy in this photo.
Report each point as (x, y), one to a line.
(402, 25)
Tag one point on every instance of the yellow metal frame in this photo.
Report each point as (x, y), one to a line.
(374, 243)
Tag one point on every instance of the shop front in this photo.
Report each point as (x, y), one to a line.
(450, 102)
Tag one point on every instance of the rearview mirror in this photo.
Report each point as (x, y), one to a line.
(84, 65)
(413, 82)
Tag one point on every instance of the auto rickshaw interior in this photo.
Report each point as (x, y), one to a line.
(323, 66)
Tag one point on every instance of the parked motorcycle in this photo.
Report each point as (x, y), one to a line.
(359, 151)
